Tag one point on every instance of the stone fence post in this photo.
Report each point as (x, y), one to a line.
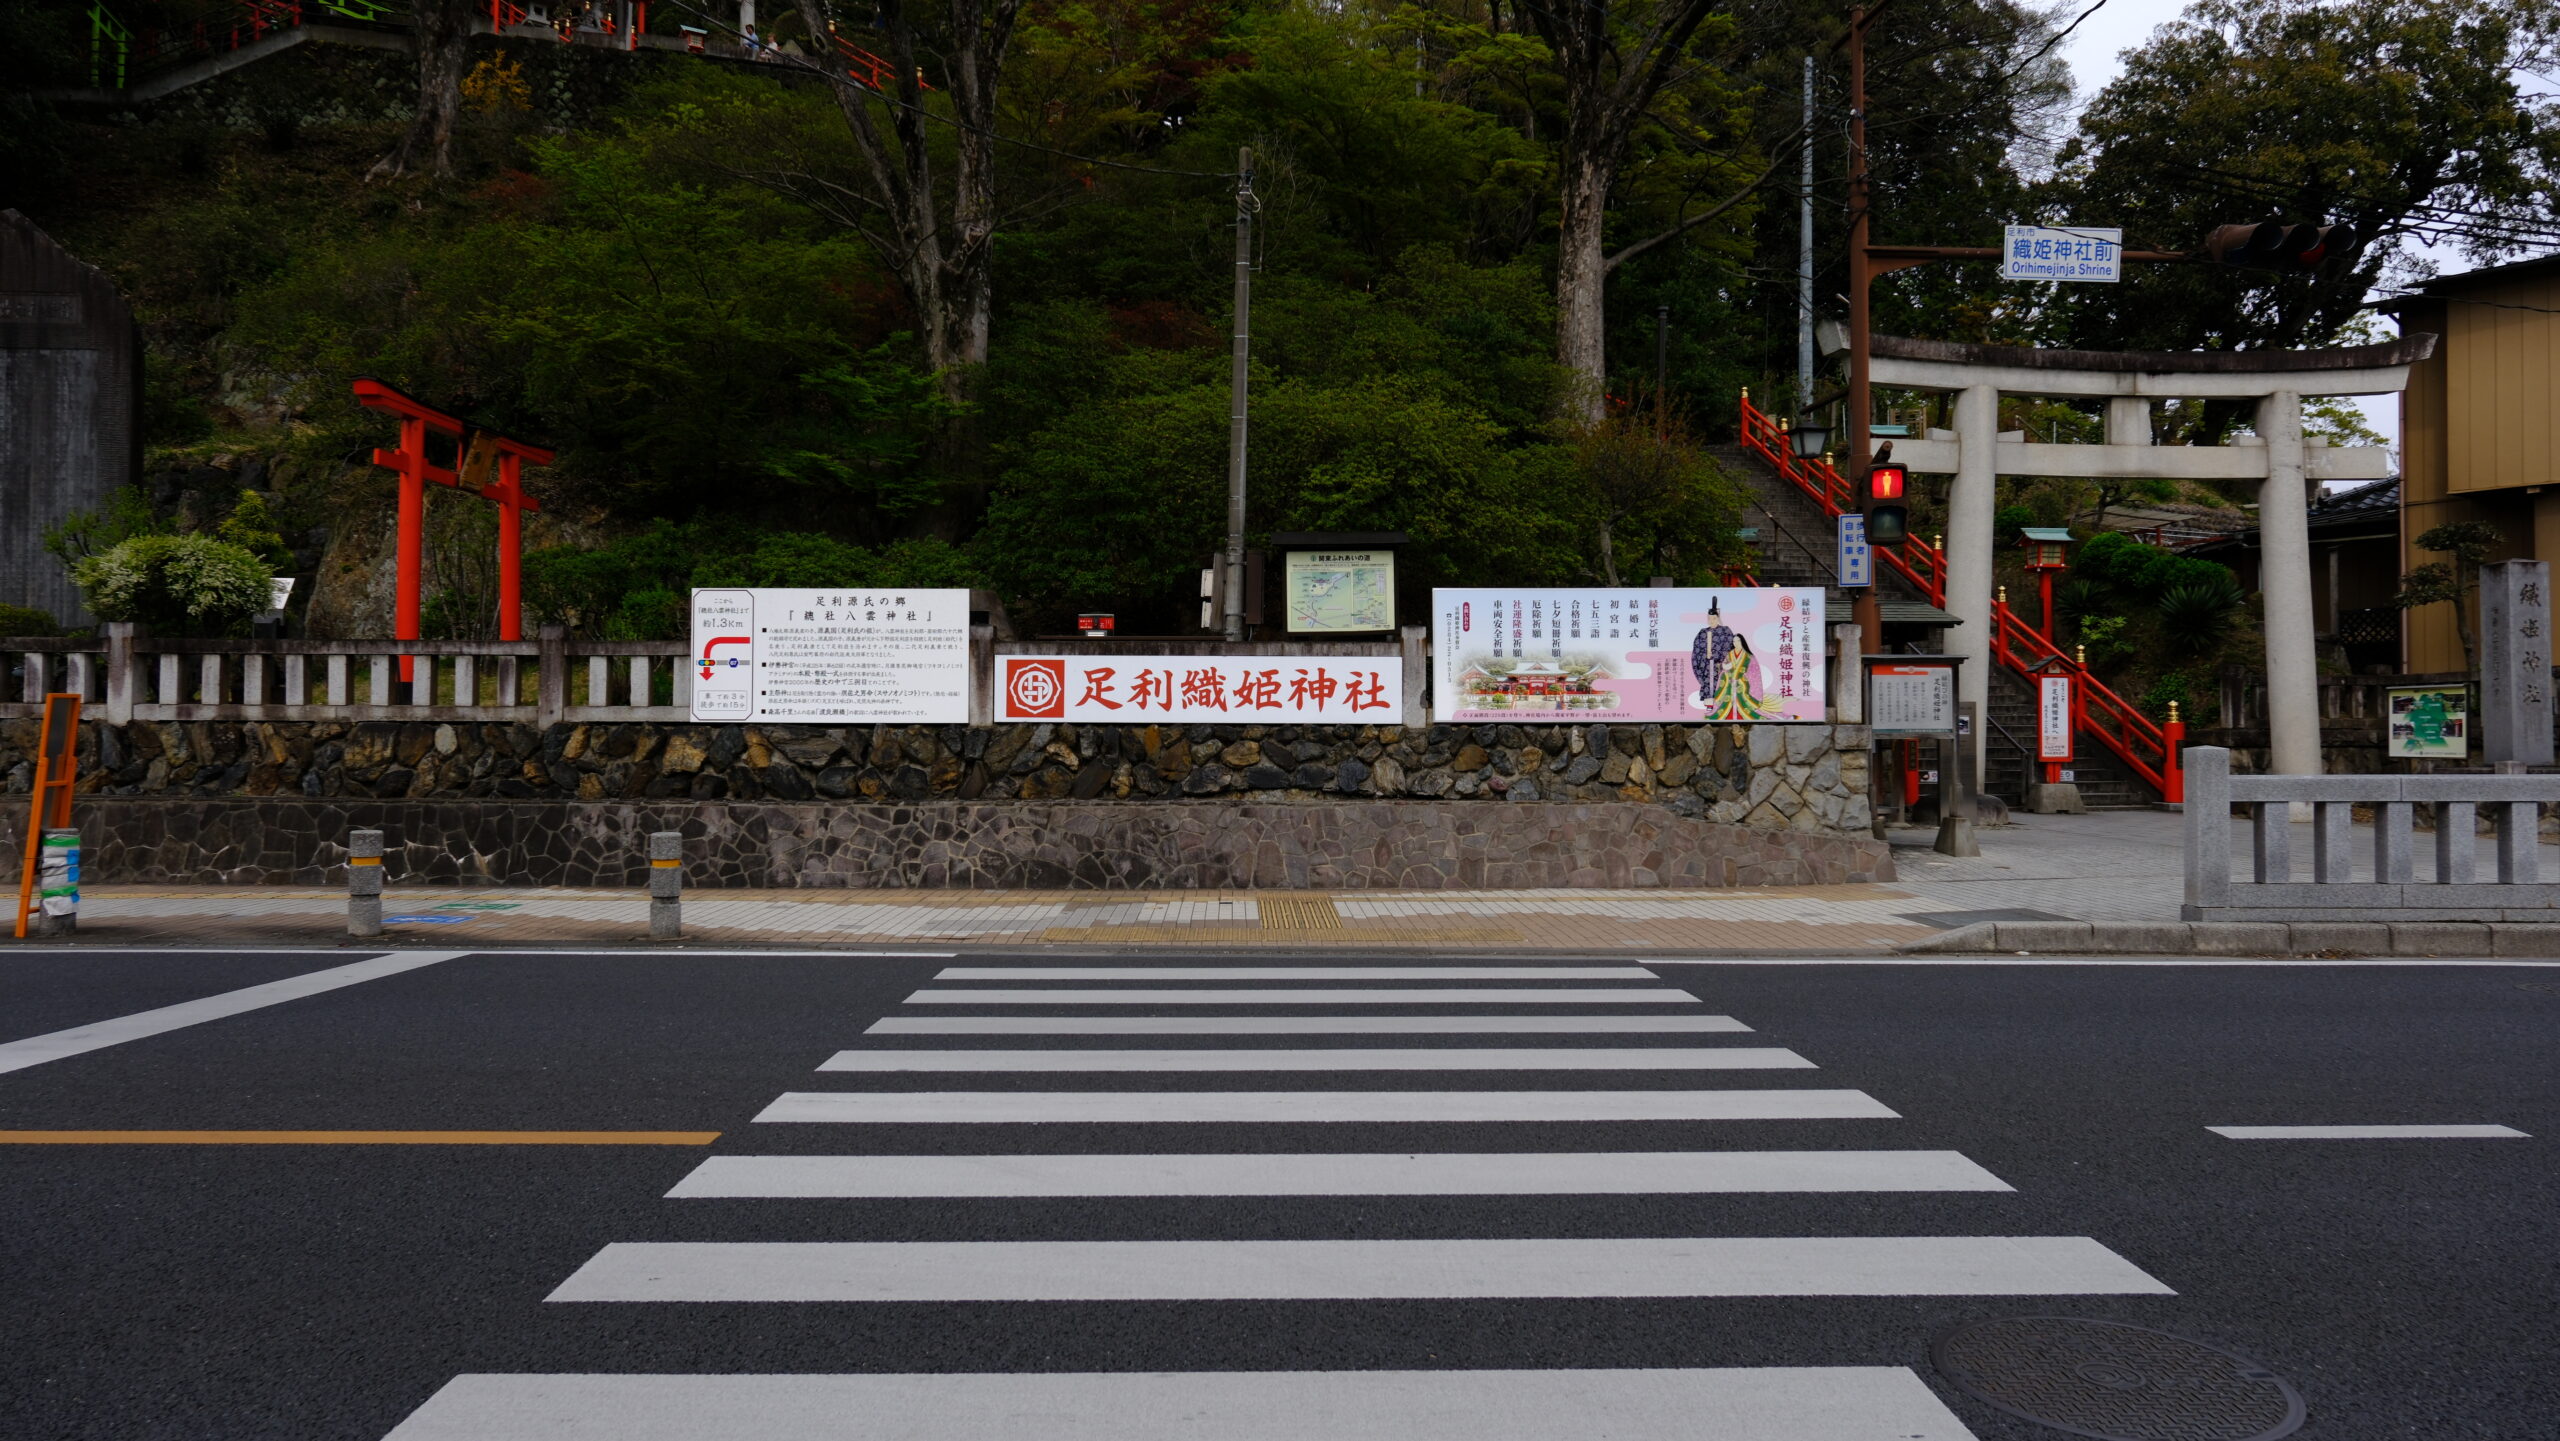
(120, 638)
(364, 883)
(666, 885)
(982, 676)
(1417, 675)
(2208, 826)
(551, 686)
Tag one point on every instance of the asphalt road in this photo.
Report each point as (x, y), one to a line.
(2407, 1288)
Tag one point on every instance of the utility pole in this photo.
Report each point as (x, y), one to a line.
(1804, 256)
(1868, 616)
(1245, 205)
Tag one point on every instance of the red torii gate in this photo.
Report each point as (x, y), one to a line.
(477, 452)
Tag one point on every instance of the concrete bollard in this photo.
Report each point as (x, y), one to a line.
(364, 883)
(57, 885)
(666, 885)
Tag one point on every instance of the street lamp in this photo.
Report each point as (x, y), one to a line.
(1810, 440)
(2048, 550)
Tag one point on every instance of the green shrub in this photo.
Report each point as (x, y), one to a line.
(2196, 612)
(176, 584)
(17, 620)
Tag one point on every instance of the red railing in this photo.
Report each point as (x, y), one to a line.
(2147, 749)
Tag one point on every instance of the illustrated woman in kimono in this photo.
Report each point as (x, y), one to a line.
(1721, 661)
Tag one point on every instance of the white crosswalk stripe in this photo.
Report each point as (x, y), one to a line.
(1374, 1058)
(1035, 1164)
(1809, 1403)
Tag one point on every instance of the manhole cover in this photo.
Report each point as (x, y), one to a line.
(2117, 1383)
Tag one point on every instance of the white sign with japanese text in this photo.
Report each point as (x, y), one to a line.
(1744, 653)
(2053, 718)
(1186, 689)
(1911, 699)
(831, 657)
(2070, 252)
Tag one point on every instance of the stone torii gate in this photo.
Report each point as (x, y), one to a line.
(2287, 466)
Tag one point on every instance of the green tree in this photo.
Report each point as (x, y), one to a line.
(2442, 582)
(2401, 118)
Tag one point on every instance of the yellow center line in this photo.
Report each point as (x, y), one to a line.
(358, 1138)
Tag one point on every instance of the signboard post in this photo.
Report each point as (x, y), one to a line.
(1911, 696)
(1857, 562)
(831, 657)
(2057, 721)
(1651, 654)
(2064, 252)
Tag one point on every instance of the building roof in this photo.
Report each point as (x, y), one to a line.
(2488, 275)
(2045, 532)
(1838, 610)
(2334, 516)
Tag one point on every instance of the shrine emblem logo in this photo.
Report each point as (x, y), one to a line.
(1035, 689)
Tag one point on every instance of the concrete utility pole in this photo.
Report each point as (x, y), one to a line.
(1245, 205)
(1804, 256)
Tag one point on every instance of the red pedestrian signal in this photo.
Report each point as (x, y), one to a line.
(1888, 522)
(2286, 249)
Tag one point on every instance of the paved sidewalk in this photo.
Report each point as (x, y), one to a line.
(2113, 866)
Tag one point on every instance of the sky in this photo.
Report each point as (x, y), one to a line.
(2092, 51)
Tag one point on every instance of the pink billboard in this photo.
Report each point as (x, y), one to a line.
(1703, 654)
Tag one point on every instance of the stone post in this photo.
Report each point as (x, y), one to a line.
(120, 667)
(2208, 826)
(1848, 677)
(364, 883)
(2284, 575)
(1971, 502)
(551, 684)
(2515, 662)
(666, 885)
(1956, 784)
(1412, 644)
(982, 677)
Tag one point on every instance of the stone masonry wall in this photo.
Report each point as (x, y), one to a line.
(1804, 779)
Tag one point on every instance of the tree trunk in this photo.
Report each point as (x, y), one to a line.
(442, 37)
(1582, 274)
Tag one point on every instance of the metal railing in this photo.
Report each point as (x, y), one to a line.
(2147, 748)
(2389, 888)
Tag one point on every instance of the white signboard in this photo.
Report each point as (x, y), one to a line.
(1186, 689)
(2053, 718)
(1912, 699)
(2072, 252)
(831, 657)
(1745, 653)
(1857, 561)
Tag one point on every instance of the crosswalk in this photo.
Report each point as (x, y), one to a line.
(1534, 1052)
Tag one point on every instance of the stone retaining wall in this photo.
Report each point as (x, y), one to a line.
(1097, 845)
(1802, 779)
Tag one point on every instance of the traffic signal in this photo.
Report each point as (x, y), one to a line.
(1888, 521)
(2270, 245)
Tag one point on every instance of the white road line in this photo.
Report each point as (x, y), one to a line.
(1294, 973)
(1381, 996)
(1374, 1058)
(1292, 1025)
(1766, 1403)
(2368, 1133)
(1572, 1173)
(1017, 1107)
(1353, 1270)
(98, 1035)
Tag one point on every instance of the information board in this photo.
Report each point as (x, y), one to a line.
(2053, 717)
(2428, 723)
(1186, 689)
(1335, 592)
(831, 657)
(1747, 653)
(1911, 700)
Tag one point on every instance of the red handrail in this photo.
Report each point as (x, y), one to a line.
(2144, 747)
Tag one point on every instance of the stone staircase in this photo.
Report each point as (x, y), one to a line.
(2105, 784)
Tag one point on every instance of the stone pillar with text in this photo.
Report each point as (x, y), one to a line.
(2515, 662)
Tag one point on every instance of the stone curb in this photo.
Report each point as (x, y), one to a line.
(2496, 939)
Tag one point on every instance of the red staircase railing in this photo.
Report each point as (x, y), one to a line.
(2147, 749)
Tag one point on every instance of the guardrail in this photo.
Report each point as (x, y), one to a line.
(2389, 888)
